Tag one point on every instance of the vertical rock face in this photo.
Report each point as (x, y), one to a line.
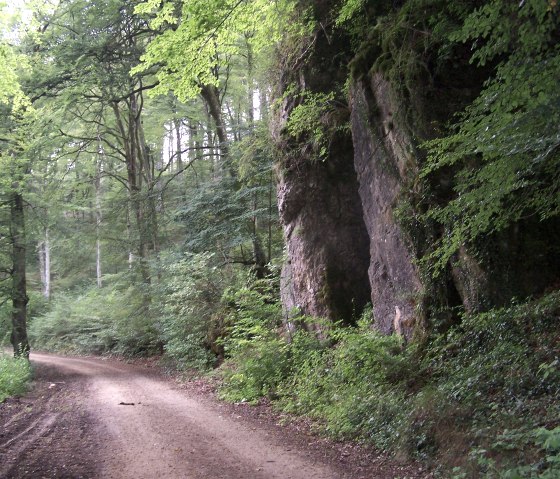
(326, 239)
(346, 245)
(384, 161)
(320, 209)
(515, 263)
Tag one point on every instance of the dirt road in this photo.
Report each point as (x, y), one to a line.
(103, 418)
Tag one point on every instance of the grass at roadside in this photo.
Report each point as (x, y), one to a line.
(14, 376)
(479, 400)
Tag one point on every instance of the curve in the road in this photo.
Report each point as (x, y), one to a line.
(154, 430)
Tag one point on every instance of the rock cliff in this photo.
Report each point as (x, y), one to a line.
(341, 211)
(320, 208)
(384, 161)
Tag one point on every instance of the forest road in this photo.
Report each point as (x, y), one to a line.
(96, 418)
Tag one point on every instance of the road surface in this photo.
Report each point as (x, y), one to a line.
(104, 418)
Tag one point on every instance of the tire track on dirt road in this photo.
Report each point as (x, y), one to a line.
(107, 419)
(166, 433)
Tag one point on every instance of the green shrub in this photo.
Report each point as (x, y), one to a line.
(14, 376)
(258, 357)
(114, 318)
(498, 380)
(188, 307)
(258, 371)
(489, 385)
(357, 387)
(38, 304)
(178, 314)
(545, 465)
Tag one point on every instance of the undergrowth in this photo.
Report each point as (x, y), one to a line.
(96, 321)
(14, 376)
(177, 315)
(481, 399)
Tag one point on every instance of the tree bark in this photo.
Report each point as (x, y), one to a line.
(44, 249)
(178, 144)
(19, 339)
(263, 105)
(138, 168)
(211, 96)
(98, 220)
(250, 85)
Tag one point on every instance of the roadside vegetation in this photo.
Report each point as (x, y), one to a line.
(478, 400)
(15, 374)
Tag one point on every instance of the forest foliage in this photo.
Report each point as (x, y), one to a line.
(509, 128)
(137, 137)
(14, 376)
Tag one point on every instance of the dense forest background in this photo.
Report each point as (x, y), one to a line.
(348, 207)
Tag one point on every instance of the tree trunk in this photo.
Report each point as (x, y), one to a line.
(250, 85)
(44, 249)
(263, 105)
(138, 168)
(19, 339)
(211, 96)
(178, 144)
(98, 219)
(212, 156)
(129, 233)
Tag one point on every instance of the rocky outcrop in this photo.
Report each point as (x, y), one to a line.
(327, 244)
(346, 241)
(384, 162)
(326, 239)
(516, 263)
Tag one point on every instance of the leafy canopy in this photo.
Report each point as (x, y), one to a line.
(204, 37)
(506, 143)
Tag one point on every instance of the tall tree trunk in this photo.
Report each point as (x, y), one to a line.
(98, 219)
(136, 166)
(178, 144)
(129, 233)
(250, 85)
(44, 250)
(194, 130)
(211, 96)
(41, 254)
(212, 156)
(258, 252)
(193, 141)
(150, 231)
(259, 258)
(263, 105)
(19, 339)
(130, 176)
